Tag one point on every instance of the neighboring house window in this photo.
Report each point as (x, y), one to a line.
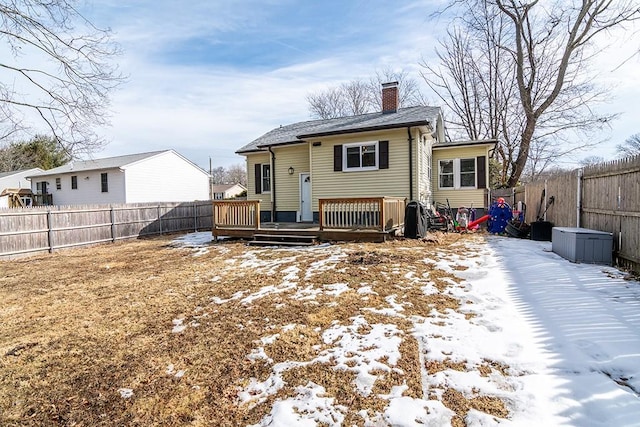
(218, 196)
(446, 174)
(41, 187)
(74, 182)
(104, 182)
(361, 156)
(58, 184)
(457, 173)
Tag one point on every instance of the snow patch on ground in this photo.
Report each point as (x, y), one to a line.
(558, 342)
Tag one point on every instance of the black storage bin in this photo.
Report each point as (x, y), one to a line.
(416, 220)
(541, 231)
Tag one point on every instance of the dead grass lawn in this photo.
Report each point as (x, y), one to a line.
(78, 325)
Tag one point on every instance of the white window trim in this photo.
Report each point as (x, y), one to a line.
(360, 169)
(475, 173)
(440, 174)
(262, 190)
(457, 174)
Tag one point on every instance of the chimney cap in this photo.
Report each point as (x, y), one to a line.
(389, 84)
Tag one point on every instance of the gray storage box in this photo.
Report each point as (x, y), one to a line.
(582, 245)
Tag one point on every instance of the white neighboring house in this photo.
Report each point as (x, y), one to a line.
(16, 182)
(158, 176)
(17, 179)
(226, 191)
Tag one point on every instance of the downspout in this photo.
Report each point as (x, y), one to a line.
(410, 163)
(273, 185)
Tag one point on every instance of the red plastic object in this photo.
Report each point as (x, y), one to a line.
(478, 221)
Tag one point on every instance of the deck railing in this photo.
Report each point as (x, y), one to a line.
(361, 213)
(236, 214)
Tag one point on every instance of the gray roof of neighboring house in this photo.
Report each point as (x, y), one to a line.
(448, 144)
(100, 164)
(221, 188)
(6, 174)
(298, 132)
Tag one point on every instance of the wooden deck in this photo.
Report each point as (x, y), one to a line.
(371, 219)
(305, 230)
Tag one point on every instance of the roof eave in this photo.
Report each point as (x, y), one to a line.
(488, 143)
(365, 129)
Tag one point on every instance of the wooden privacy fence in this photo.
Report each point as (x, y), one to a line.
(370, 213)
(49, 228)
(604, 197)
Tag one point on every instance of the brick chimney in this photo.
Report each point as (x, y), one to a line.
(390, 98)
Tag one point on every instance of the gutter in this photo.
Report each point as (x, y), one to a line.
(364, 129)
(410, 163)
(273, 185)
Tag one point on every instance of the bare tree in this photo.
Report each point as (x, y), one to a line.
(236, 174)
(68, 90)
(630, 147)
(592, 160)
(362, 96)
(518, 71)
(218, 175)
(328, 104)
(409, 93)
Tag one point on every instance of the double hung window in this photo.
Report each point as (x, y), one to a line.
(457, 173)
(360, 156)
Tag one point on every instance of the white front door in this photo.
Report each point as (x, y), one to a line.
(306, 214)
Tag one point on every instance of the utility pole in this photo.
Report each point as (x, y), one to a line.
(210, 179)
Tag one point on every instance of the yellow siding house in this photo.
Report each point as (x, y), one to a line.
(397, 152)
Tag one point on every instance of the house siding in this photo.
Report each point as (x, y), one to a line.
(460, 196)
(288, 186)
(89, 189)
(392, 182)
(252, 160)
(423, 148)
(165, 178)
(18, 179)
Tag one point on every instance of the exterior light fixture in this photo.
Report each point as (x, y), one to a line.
(291, 170)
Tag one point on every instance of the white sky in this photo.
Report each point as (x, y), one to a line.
(569, 334)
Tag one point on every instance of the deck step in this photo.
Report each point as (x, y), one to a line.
(282, 240)
(272, 243)
(284, 236)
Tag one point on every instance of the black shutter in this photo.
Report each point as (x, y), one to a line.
(258, 178)
(481, 172)
(383, 156)
(337, 158)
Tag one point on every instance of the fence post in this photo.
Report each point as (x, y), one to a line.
(159, 219)
(195, 216)
(112, 217)
(49, 231)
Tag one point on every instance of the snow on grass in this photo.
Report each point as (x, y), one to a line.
(125, 393)
(308, 408)
(199, 241)
(558, 343)
(361, 348)
(178, 326)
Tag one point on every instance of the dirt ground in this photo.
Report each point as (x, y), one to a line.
(91, 336)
